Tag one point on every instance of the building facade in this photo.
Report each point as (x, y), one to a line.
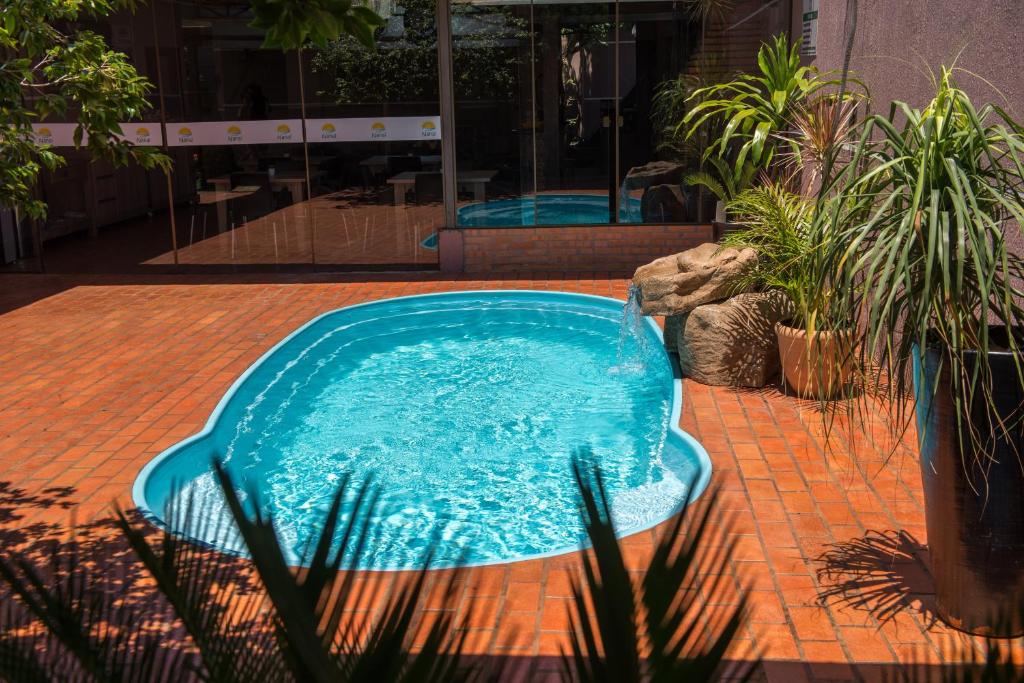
(478, 135)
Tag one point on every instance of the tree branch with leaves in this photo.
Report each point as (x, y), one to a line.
(52, 69)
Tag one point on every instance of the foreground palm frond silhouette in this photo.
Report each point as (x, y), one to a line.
(159, 607)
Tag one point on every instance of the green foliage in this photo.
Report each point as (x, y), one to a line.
(755, 108)
(77, 621)
(722, 181)
(777, 224)
(293, 24)
(194, 613)
(926, 205)
(658, 631)
(50, 71)
(404, 68)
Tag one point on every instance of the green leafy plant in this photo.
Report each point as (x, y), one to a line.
(721, 180)
(51, 69)
(293, 24)
(265, 621)
(165, 608)
(658, 630)
(924, 209)
(777, 224)
(755, 108)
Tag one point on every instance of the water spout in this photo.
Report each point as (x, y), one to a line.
(634, 343)
(629, 211)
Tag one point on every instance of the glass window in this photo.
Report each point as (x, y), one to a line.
(375, 153)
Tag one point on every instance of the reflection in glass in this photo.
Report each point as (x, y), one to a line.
(376, 199)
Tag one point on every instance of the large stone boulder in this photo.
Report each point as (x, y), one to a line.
(679, 283)
(654, 173)
(664, 204)
(732, 343)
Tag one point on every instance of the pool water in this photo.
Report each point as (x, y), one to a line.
(544, 209)
(464, 409)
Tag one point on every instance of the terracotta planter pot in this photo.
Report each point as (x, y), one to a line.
(819, 369)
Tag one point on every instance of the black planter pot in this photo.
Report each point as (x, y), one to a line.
(975, 518)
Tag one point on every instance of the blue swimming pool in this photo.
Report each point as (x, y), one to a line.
(544, 209)
(464, 408)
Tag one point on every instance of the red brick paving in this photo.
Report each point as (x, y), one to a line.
(100, 374)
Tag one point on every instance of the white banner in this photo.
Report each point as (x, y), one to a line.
(369, 129)
(142, 134)
(282, 131)
(195, 133)
(55, 134)
(62, 134)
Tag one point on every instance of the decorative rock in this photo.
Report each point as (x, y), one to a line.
(677, 284)
(654, 173)
(664, 204)
(733, 343)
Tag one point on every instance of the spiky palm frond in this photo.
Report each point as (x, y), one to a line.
(777, 224)
(819, 131)
(922, 243)
(92, 632)
(321, 636)
(232, 620)
(723, 181)
(657, 630)
(214, 597)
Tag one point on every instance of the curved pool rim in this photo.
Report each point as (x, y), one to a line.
(703, 460)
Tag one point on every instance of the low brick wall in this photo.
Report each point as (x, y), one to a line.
(615, 248)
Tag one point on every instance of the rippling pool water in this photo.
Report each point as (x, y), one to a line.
(464, 408)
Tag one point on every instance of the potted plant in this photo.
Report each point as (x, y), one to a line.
(923, 212)
(813, 351)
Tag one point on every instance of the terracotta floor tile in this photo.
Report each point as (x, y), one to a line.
(92, 402)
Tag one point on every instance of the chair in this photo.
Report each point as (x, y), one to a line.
(429, 188)
(259, 203)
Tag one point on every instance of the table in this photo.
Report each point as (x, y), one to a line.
(296, 184)
(378, 163)
(475, 179)
(221, 199)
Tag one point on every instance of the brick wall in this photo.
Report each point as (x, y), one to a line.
(604, 248)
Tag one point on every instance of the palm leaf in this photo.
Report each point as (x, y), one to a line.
(608, 635)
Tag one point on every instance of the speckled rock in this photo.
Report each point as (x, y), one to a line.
(679, 283)
(732, 343)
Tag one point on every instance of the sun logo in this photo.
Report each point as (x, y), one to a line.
(428, 125)
(234, 133)
(328, 131)
(283, 128)
(428, 129)
(185, 134)
(142, 132)
(378, 130)
(284, 132)
(43, 136)
(142, 135)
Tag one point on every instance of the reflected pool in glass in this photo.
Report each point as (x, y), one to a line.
(544, 209)
(464, 408)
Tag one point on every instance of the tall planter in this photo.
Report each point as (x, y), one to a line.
(974, 507)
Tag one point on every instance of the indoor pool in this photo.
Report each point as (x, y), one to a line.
(544, 209)
(464, 408)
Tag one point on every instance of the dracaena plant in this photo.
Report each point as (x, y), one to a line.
(922, 220)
